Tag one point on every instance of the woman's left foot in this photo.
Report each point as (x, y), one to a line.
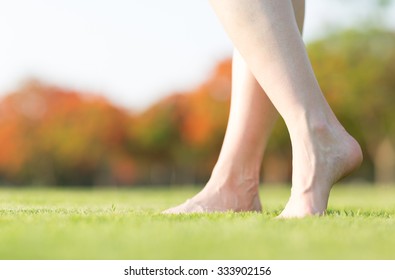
(222, 196)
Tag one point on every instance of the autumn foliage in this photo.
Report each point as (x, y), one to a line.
(55, 136)
(178, 139)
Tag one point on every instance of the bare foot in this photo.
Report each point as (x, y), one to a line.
(320, 159)
(222, 195)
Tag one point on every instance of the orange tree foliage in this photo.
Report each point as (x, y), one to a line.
(54, 136)
(50, 135)
(180, 137)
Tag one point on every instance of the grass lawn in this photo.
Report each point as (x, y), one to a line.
(127, 224)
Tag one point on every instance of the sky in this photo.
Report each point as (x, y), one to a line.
(133, 52)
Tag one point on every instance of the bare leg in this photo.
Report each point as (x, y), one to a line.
(266, 34)
(235, 178)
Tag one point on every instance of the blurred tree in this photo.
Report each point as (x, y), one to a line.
(356, 72)
(51, 136)
(55, 136)
(179, 137)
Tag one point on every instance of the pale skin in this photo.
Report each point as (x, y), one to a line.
(272, 74)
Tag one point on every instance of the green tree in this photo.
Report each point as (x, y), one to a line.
(356, 71)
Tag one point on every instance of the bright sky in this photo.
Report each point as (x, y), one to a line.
(132, 51)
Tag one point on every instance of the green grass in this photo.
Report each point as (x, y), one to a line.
(127, 224)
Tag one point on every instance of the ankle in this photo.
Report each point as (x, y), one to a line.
(237, 172)
(313, 124)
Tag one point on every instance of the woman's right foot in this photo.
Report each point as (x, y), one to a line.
(321, 157)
